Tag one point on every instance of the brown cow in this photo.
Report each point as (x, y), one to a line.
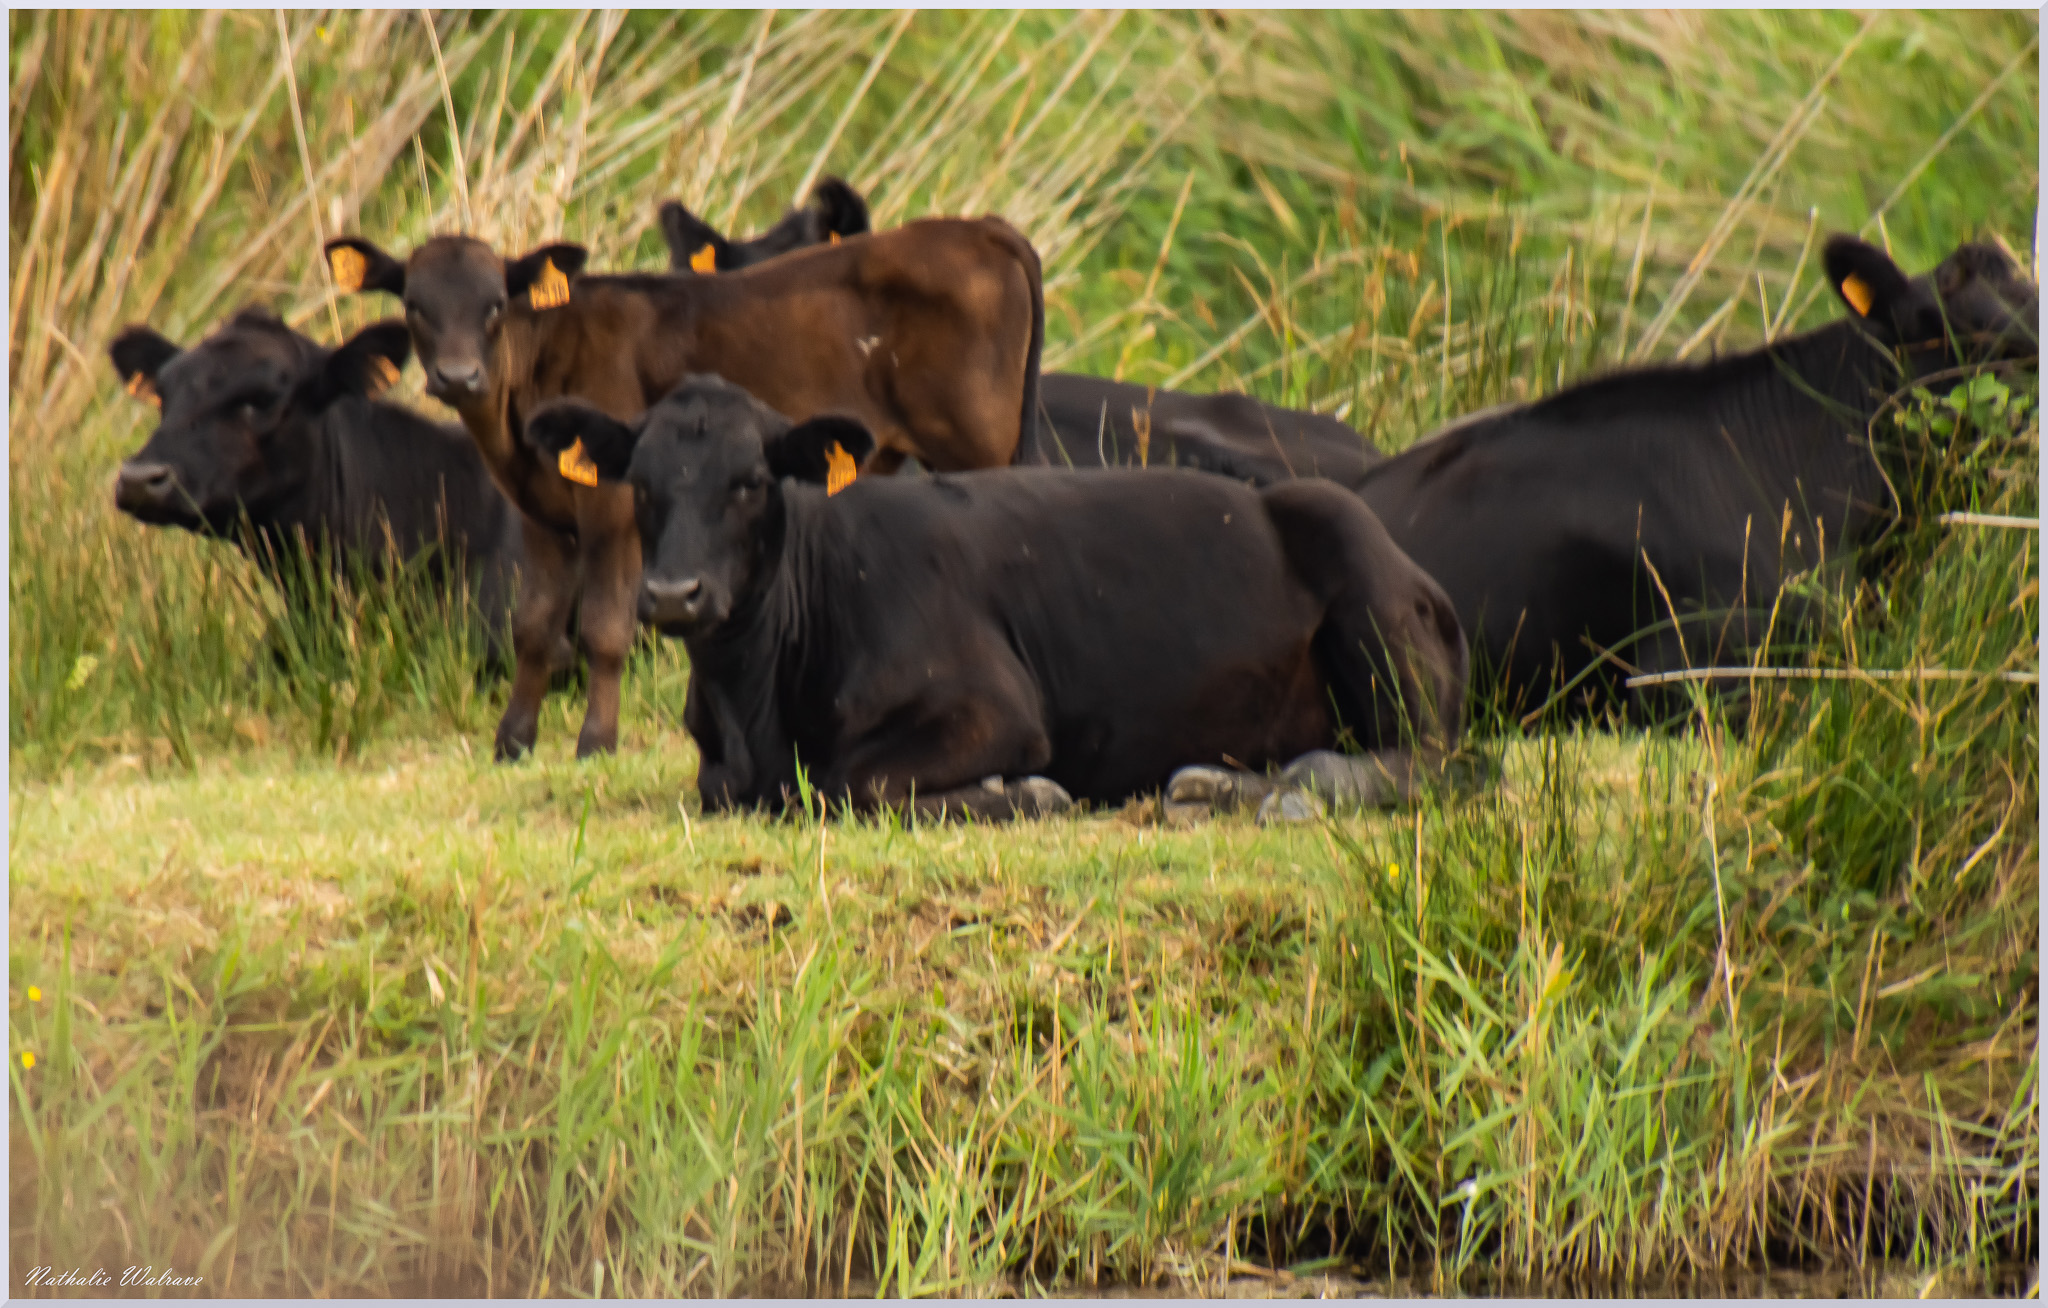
(929, 335)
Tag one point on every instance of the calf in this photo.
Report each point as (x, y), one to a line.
(1646, 521)
(836, 211)
(930, 334)
(272, 442)
(993, 642)
(1084, 422)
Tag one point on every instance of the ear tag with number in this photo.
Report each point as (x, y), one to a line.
(839, 469)
(550, 290)
(574, 464)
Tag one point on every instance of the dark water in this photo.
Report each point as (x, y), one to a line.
(1893, 1281)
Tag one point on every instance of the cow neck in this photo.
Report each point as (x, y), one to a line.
(307, 518)
(773, 644)
(494, 419)
(1808, 406)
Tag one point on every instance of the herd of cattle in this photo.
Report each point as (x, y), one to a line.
(1100, 589)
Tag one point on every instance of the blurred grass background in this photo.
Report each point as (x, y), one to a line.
(326, 1004)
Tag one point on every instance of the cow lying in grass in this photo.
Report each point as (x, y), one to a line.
(994, 643)
(930, 334)
(1646, 521)
(277, 444)
(1085, 422)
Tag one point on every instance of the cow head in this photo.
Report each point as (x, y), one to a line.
(694, 245)
(705, 464)
(236, 412)
(1977, 306)
(456, 290)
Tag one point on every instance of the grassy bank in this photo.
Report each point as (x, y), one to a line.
(318, 999)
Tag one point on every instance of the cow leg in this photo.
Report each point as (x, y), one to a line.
(547, 586)
(1199, 790)
(957, 755)
(995, 799)
(606, 622)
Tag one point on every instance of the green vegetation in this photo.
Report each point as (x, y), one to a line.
(317, 999)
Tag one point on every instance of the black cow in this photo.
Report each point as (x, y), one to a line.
(993, 642)
(1571, 532)
(836, 210)
(276, 443)
(1091, 422)
(1086, 422)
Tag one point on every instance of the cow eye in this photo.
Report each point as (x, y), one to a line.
(492, 314)
(749, 483)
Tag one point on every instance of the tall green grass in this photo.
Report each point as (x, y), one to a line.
(329, 1005)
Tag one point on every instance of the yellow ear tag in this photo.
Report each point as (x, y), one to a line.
(705, 260)
(550, 290)
(140, 387)
(349, 267)
(832, 238)
(839, 469)
(383, 373)
(574, 464)
(1857, 294)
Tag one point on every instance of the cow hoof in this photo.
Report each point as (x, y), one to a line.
(1037, 796)
(510, 749)
(1185, 815)
(592, 743)
(1351, 782)
(1220, 790)
(1290, 806)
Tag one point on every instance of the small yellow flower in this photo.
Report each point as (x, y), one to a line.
(28, 1059)
(1393, 871)
(35, 995)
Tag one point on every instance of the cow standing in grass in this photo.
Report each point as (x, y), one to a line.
(997, 642)
(1084, 422)
(1647, 521)
(929, 335)
(271, 441)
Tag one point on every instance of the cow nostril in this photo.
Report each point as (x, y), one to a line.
(153, 478)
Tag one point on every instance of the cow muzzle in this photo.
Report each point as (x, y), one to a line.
(457, 381)
(147, 489)
(669, 603)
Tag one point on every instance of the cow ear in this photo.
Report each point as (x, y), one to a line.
(825, 449)
(367, 363)
(586, 446)
(1865, 277)
(542, 275)
(693, 243)
(358, 265)
(139, 354)
(843, 211)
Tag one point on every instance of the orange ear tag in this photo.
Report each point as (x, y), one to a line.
(1857, 294)
(140, 387)
(383, 374)
(550, 290)
(705, 260)
(839, 469)
(833, 238)
(349, 267)
(574, 464)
